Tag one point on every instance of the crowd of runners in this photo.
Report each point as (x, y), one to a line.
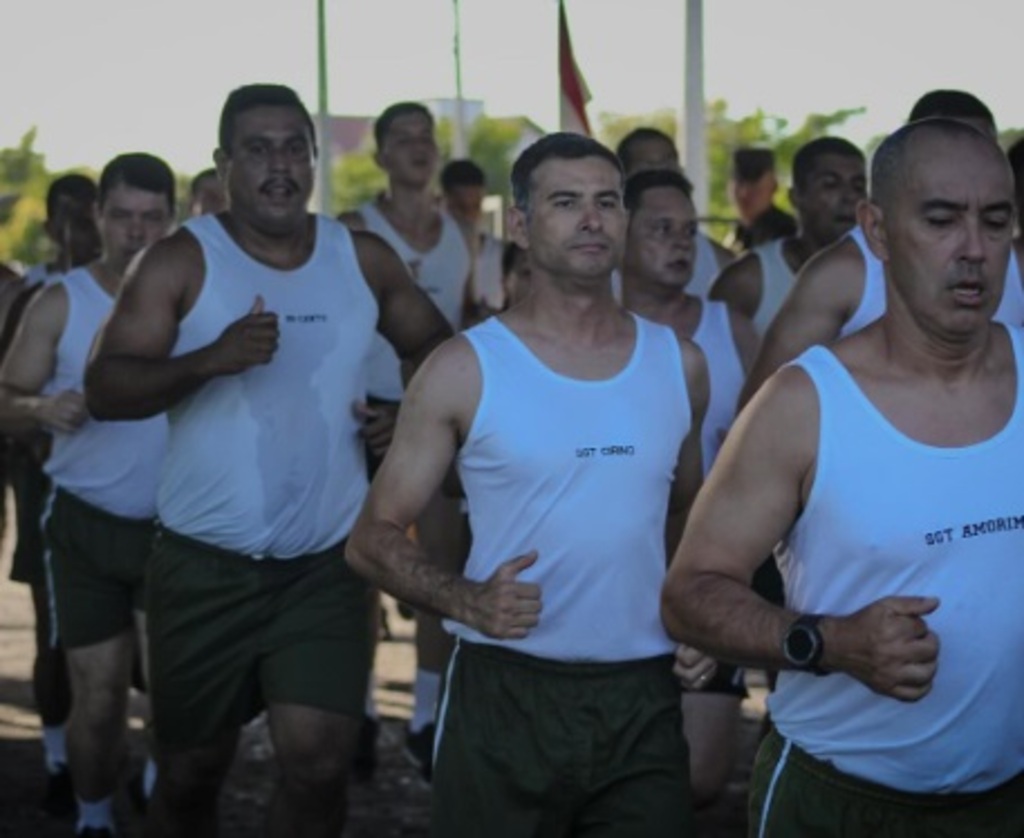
(608, 464)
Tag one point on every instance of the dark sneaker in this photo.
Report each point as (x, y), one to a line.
(364, 763)
(95, 832)
(59, 800)
(419, 750)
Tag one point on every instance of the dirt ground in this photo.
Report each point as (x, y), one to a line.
(394, 804)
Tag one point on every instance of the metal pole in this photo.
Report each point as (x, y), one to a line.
(459, 144)
(323, 179)
(692, 134)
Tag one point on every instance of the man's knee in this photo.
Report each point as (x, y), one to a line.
(191, 779)
(314, 748)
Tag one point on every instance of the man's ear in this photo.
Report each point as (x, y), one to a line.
(516, 219)
(871, 219)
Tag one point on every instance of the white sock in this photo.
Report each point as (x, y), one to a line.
(55, 748)
(425, 691)
(370, 709)
(148, 777)
(97, 814)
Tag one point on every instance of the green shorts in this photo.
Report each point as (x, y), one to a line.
(229, 634)
(794, 795)
(98, 569)
(532, 747)
(30, 487)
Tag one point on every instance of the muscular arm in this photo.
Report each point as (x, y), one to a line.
(825, 295)
(29, 364)
(756, 490)
(408, 319)
(436, 411)
(739, 285)
(130, 373)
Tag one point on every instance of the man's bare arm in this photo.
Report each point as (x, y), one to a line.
(826, 294)
(408, 319)
(29, 364)
(753, 495)
(740, 285)
(690, 466)
(436, 411)
(131, 374)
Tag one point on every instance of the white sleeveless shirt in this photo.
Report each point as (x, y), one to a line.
(113, 466)
(725, 375)
(441, 272)
(777, 279)
(269, 462)
(888, 515)
(579, 471)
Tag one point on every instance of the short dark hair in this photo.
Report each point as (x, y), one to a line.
(561, 145)
(889, 163)
(639, 183)
(392, 112)
(751, 164)
(1015, 154)
(624, 149)
(807, 155)
(951, 104)
(77, 187)
(139, 171)
(251, 96)
(461, 173)
(197, 181)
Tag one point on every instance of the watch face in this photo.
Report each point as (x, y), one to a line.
(800, 645)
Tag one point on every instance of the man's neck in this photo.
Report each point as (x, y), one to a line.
(108, 273)
(285, 251)
(664, 304)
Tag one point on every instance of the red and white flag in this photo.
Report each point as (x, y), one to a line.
(574, 92)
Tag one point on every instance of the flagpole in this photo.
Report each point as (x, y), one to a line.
(323, 180)
(459, 145)
(693, 136)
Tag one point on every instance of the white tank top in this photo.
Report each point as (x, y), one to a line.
(872, 303)
(269, 462)
(725, 372)
(579, 471)
(112, 465)
(872, 298)
(705, 267)
(777, 279)
(888, 515)
(441, 272)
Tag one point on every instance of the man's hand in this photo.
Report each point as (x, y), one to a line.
(378, 425)
(503, 607)
(888, 646)
(64, 411)
(693, 668)
(248, 342)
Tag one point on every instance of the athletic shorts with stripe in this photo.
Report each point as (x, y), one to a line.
(97, 569)
(528, 748)
(794, 795)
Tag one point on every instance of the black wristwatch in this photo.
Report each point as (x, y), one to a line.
(802, 644)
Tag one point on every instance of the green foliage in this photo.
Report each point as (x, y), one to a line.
(24, 180)
(355, 179)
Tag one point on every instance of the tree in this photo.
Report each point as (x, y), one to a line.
(23, 180)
